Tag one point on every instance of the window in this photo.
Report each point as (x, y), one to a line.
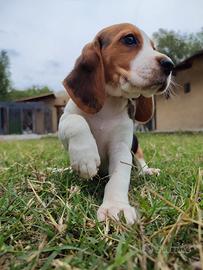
(187, 88)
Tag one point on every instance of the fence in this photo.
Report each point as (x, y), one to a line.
(25, 117)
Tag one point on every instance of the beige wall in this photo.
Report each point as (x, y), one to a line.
(39, 122)
(60, 101)
(183, 111)
(53, 104)
(54, 120)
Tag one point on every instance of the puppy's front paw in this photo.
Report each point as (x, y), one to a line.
(112, 209)
(84, 159)
(151, 171)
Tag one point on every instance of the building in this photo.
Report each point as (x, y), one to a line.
(38, 115)
(181, 112)
(184, 110)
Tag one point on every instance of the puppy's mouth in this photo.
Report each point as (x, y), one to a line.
(156, 87)
(162, 88)
(159, 86)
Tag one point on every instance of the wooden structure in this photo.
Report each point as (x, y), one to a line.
(19, 118)
(39, 114)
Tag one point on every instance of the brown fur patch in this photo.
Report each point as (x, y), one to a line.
(144, 109)
(139, 154)
(86, 84)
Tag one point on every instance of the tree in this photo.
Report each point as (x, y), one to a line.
(9, 93)
(178, 45)
(29, 92)
(4, 75)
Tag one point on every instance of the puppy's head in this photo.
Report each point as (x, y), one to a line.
(121, 61)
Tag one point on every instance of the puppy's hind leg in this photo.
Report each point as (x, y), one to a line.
(140, 161)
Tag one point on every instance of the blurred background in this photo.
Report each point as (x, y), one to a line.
(40, 40)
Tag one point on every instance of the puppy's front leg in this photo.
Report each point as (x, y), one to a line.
(116, 190)
(75, 134)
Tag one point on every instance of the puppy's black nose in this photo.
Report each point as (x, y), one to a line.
(167, 66)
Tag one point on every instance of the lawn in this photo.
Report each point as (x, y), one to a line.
(48, 218)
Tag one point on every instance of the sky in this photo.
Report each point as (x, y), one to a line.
(43, 38)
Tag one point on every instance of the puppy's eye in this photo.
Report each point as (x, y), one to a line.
(130, 40)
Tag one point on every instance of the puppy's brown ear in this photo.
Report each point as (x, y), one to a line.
(86, 83)
(144, 109)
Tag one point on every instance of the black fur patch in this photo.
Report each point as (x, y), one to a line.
(134, 144)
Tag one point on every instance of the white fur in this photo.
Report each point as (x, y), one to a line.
(144, 169)
(109, 133)
(76, 137)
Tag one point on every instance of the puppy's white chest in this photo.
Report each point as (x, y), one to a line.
(113, 113)
(102, 130)
(105, 124)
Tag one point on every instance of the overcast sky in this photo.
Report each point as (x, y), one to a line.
(44, 37)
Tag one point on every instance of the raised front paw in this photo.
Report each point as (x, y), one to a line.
(113, 208)
(84, 159)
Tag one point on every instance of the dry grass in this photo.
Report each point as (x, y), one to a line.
(48, 219)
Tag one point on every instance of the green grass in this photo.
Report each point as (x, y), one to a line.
(48, 220)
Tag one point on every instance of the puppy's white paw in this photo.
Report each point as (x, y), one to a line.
(112, 209)
(151, 171)
(84, 158)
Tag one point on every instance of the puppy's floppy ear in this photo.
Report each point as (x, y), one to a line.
(144, 109)
(86, 83)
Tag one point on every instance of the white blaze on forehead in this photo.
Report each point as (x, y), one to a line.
(146, 41)
(139, 70)
(144, 62)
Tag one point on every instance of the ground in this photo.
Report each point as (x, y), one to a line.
(48, 218)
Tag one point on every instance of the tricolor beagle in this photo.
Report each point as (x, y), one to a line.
(119, 69)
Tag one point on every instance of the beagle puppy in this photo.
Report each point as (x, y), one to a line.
(119, 71)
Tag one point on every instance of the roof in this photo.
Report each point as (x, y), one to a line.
(22, 105)
(37, 98)
(187, 63)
